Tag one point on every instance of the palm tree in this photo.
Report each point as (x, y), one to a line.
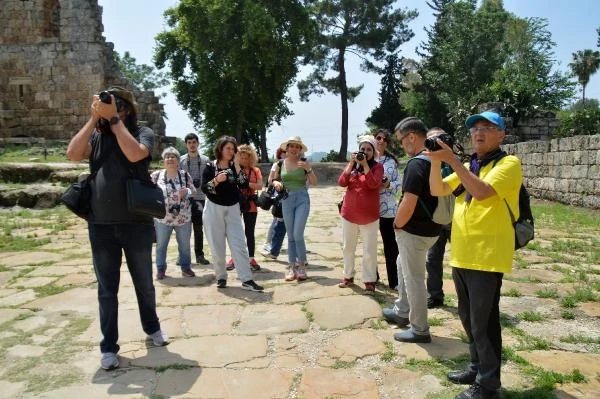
(585, 64)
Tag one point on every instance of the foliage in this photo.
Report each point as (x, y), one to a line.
(579, 105)
(476, 55)
(143, 76)
(585, 63)
(232, 62)
(389, 111)
(332, 156)
(584, 122)
(369, 30)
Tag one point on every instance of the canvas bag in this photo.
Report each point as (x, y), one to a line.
(444, 210)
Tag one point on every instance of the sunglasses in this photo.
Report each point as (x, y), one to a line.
(380, 138)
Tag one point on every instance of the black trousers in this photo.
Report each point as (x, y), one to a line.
(479, 311)
(249, 227)
(390, 249)
(197, 208)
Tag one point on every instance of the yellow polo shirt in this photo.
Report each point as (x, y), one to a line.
(483, 237)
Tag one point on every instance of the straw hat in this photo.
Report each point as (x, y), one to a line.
(293, 140)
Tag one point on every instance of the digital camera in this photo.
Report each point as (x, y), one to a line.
(197, 183)
(230, 176)
(105, 98)
(432, 145)
(360, 156)
(175, 209)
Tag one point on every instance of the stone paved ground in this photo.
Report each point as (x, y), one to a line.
(295, 340)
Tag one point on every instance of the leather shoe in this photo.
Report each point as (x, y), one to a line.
(410, 336)
(391, 317)
(476, 391)
(201, 260)
(462, 376)
(434, 302)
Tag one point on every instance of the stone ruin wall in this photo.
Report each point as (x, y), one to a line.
(566, 170)
(53, 58)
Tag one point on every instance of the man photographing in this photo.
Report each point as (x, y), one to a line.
(482, 243)
(118, 148)
(194, 163)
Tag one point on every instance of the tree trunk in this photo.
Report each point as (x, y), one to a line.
(264, 155)
(344, 99)
(583, 96)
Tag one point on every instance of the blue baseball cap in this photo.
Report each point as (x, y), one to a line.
(487, 116)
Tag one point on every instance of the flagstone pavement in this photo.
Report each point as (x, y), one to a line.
(306, 339)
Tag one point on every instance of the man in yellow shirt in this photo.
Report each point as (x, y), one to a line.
(482, 244)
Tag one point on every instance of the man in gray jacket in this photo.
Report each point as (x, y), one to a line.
(194, 163)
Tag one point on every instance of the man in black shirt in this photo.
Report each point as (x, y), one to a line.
(119, 148)
(415, 234)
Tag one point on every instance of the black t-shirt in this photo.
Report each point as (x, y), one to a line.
(416, 181)
(109, 197)
(226, 193)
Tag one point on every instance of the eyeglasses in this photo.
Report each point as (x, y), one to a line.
(483, 129)
(168, 156)
(380, 138)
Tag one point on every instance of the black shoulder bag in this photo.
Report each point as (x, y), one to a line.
(77, 196)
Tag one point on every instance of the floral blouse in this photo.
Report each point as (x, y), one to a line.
(179, 210)
(388, 203)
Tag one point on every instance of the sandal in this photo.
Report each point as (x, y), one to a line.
(370, 287)
(346, 282)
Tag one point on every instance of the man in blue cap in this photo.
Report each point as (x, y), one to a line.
(482, 244)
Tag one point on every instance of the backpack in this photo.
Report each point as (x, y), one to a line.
(524, 225)
(444, 210)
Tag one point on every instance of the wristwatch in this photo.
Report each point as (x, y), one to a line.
(114, 120)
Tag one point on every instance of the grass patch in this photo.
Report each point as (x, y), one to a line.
(174, 366)
(389, 353)
(584, 294)
(435, 321)
(567, 315)
(568, 302)
(378, 324)
(340, 364)
(531, 316)
(10, 243)
(579, 339)
(50, 289)
(513, 292)
(547, 293)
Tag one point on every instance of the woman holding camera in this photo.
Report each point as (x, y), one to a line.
(177, 186)
(295, 174)
(247, 158)
(388, 204)
(221, 182)
(360, 211)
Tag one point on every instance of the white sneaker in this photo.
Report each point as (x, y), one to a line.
(267, 247)
(159, 338)
(109, 361)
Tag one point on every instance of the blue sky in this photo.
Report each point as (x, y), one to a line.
(572, 23)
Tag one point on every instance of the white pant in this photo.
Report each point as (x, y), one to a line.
(224, 223)
(369, 234)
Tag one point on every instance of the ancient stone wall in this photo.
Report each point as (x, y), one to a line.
(53, 58)
(566, 170)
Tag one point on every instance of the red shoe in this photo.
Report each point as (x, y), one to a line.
(230, 265)
(253, 265)
(370, 287)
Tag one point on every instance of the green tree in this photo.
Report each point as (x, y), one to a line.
(389, 111)
(368, 29)
(232, 63)
(526, 82)
(143, 76)
(585, 63)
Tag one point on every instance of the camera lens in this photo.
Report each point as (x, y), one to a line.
(105, 97)
(431, 144)
(360, 156)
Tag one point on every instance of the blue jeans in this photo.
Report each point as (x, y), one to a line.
(108, 242)
(295, 214)
(278, 236)
(183, 234)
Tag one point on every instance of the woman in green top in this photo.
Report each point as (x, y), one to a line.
(294, 175)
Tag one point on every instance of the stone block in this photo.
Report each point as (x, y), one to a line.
(594, 142)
